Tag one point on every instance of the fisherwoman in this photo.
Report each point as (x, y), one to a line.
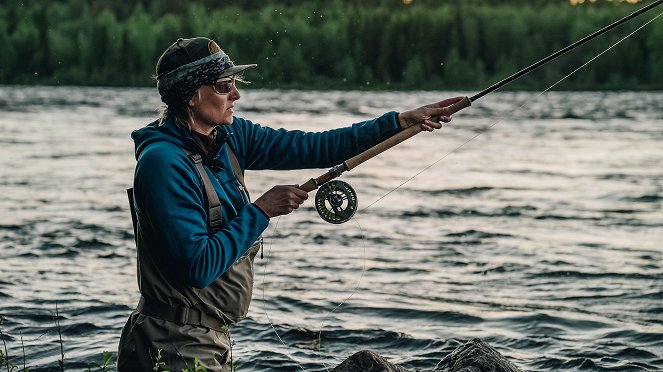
(197, 231)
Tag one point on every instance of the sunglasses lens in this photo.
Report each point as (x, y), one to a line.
(223, 87)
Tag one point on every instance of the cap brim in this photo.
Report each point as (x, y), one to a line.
(235, 70)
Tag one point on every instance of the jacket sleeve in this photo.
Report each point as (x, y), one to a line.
(267, 148)
(170, 198)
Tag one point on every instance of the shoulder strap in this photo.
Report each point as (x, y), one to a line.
(132, 208)
(237, 170)
(213, 202)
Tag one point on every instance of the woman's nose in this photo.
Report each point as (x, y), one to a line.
(234, 94)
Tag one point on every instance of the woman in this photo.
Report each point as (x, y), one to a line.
(196, 230)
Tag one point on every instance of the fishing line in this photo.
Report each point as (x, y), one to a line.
(336, 201)
(416, 175)
(269, 250)
(354, 290)
(523, 106)
(503, 118)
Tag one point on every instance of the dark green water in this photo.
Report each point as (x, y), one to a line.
(542, 235)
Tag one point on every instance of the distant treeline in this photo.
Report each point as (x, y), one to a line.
(341, 44)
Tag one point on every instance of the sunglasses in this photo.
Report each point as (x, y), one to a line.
(224, 86)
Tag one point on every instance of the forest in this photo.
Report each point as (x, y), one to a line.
(335, 44)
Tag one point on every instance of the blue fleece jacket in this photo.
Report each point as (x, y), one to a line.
(170, 198)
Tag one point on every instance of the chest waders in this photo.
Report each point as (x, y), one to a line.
(182, 321)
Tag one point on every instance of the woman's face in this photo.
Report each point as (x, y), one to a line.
(212, 105)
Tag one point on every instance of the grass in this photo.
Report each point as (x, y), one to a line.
(4, 354)
(9, 363)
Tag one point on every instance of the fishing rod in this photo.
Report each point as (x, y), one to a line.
(336, 201)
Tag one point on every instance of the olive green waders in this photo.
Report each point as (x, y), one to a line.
(173, 323)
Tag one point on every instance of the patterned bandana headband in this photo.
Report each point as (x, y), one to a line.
(179, 85)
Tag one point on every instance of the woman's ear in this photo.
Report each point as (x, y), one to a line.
(194, 99)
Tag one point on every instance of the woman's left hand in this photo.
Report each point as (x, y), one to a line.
(430, 116)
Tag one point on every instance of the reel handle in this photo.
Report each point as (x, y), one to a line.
(313, 183)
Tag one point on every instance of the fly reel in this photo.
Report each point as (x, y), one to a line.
(336, 202)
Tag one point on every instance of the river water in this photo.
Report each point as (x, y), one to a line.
(541, 235)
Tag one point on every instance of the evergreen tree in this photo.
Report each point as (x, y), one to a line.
(340, 43)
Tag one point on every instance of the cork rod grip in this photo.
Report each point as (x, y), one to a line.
(463, 103)
(383, 146)
(390, 142)
(399, 137)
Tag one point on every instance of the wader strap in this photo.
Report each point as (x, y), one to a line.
(213, 202)
(237, 170)
(179, 314)
(132, 208)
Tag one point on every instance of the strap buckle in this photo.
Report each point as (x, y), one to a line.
(196, 158)
(181, 315)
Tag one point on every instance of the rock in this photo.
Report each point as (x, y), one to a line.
(474, 356)
(367, 361)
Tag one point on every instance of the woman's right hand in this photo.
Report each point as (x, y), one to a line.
(429, 116)
(281, 200)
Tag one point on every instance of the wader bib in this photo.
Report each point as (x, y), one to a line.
(186, 322)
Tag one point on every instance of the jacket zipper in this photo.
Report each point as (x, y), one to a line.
(245, 199)
(242, 191)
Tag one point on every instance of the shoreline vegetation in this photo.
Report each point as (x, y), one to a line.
(473, 354)
(18, 362)
(335, 45)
